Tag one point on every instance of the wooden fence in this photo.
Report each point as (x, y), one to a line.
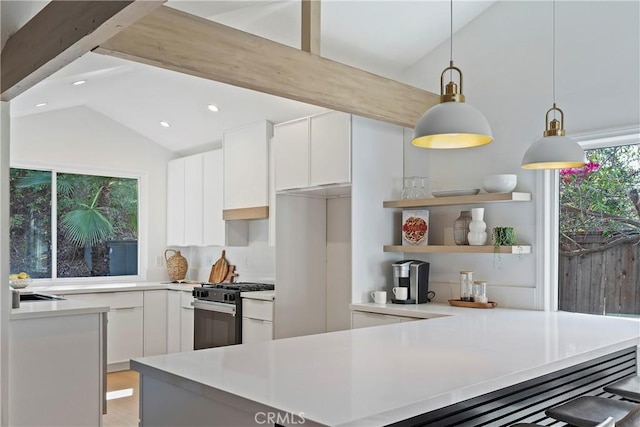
(605, 282)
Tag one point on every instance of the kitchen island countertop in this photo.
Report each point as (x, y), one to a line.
(37, 309)
(381, 375)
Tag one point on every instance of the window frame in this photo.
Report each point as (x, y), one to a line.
(548, 213)
(57, 168)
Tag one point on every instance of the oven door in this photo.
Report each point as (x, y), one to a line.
(215, 324)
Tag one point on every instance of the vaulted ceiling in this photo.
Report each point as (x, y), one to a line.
(383, 37)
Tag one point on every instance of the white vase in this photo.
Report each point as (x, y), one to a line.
(477, 235)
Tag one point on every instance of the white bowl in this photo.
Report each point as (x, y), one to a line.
(19, 283)
(500, 183)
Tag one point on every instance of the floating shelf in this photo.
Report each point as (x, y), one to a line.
(458, 200)
(463, 249)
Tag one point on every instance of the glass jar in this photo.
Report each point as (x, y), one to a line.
(480, 291)
(461, 228)
(466, 286)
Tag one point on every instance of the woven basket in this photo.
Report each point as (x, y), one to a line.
(177, 265)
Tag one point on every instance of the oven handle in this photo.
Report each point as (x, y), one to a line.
(219, 307)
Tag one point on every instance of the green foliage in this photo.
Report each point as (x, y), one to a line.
(601, 197)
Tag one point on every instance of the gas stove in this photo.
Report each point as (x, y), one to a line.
(228, 292)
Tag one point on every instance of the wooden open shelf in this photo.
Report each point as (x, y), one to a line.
(463, 249)
(459, 200)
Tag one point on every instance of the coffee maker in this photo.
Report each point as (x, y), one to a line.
(413, 275)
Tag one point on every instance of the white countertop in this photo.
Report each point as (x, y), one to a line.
(420, 311)
(261, 295)
(380, 375)
(84, 288)
(37, 309)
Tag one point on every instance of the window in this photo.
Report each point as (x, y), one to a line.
(599, 225)
(69, 225)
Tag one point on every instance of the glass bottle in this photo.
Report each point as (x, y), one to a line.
(466, 286)
(480, 291)
(461, 228)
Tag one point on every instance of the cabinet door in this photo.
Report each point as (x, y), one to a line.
(291, 151)
(175, 202)
(125, 334)
(155, 322)
(193, 200)
(186, 329)
(256, 330)
(246, 164)
(186, 322)
(213, 225)
(330, 149)
(173, 321)
(366, 320)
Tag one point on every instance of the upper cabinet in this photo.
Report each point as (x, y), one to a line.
(313, 151)
(246, 171)
(194, 204)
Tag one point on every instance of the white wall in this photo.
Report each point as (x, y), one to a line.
(505, 57)
(79, 137)
(338, 263)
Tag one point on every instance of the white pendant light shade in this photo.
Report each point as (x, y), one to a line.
(554, 152)
(451, 125)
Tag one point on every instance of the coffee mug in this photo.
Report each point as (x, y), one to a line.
(400, 293)
(379, 297)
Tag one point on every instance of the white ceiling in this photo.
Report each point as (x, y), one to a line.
(384, 37)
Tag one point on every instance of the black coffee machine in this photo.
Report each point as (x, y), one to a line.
(413, 275)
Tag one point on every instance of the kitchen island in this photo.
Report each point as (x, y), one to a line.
(379, 375)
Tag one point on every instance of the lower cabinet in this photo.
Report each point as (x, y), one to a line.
(186, 322)
(174, 328)
(56, 371)
(257, 320)
(125, 325)
(360, 319)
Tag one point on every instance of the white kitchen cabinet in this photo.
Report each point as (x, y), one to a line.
(125, 327)
(257, 320)
(313, 151)
(195, 204)
(56, 371)
(361, 319)
(246, 166)
(155, 322)
(184, 201)
(291, 151)
(173, 321)
(330, 149)
(175, 202)
(186, 322)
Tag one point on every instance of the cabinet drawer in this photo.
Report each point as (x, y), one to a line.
(257, 309)
(185, 300)
(115, 300)
(254, 330)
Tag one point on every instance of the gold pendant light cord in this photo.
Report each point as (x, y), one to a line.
(553, 58)
(451, 39)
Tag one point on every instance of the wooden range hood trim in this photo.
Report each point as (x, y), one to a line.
(178, 41)
(59, 34)
(258, 212)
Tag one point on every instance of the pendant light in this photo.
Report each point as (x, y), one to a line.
(452, 123)
(554, 150)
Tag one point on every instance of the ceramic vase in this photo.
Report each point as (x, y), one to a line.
(461, 228)
(477, 235)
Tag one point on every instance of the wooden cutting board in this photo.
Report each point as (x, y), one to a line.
(219, 270)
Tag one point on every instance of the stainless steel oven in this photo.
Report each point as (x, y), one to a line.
(218, 313)
(216, 324)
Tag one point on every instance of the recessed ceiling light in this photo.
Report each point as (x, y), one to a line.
(79, 82)
(213, 108)
(42, 104)
(165, 124)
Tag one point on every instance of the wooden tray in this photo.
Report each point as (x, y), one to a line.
(458, 303)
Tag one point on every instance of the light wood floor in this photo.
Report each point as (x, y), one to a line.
(123, 411)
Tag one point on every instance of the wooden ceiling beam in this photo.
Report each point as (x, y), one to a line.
(311, 26)
(60, 33)
(178, 41)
